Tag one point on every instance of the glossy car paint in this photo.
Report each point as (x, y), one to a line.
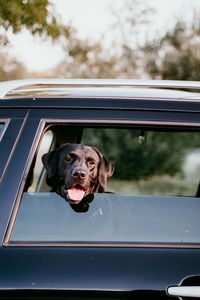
(107, 271)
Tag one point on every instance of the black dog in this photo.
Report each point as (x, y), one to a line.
(76, 171)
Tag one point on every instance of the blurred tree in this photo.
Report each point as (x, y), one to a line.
(176, 55)
(11, 68)
(3, 40)
(37, 16)
(132, 18)
(86, 59)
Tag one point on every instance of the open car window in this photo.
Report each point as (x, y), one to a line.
(155, 183)
(150, 162)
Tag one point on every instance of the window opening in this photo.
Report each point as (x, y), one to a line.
(154, 184)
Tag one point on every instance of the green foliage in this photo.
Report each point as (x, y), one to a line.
(34, 15)
(160, 153)
(155, 185)
(38, 17)
(176, 55)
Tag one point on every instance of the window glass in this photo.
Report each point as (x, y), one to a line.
(152, 196)
(111, 217)
(2, 125)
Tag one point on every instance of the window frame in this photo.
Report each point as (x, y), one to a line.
(46, 123)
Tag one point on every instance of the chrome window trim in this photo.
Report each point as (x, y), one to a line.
(40, 130)
(103, 244)
(8, 86)
(121, 122)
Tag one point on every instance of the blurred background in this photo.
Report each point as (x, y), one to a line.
(100, 39)
(138, 39)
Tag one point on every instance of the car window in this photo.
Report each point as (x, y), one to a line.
(2, 129)
(111, 217)
(152, 196)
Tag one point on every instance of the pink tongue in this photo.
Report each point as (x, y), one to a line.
(76, 194)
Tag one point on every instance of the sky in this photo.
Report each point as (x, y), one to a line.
(92, 19)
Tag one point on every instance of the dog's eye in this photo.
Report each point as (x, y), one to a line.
(91, 162)
(68, 158)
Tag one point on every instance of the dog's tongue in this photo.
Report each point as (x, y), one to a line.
(76, 194)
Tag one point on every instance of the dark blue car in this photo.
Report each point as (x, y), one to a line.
(141, 237)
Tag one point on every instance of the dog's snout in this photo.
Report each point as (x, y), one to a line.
(79, 174)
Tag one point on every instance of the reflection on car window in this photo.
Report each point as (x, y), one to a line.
(2, 125)
(111, 218)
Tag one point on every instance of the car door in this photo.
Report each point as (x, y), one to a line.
(152, 262)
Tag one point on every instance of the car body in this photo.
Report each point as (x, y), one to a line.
(106, 258)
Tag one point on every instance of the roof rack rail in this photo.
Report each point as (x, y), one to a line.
(8, 86)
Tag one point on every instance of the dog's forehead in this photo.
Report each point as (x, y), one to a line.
(81, 150)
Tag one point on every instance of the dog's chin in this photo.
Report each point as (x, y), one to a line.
(83, 205)
(74, 201)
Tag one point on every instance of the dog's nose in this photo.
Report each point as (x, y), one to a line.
(78, 174)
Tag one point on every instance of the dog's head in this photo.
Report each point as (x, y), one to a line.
(75, 171)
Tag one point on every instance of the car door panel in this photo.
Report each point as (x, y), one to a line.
(121, 269)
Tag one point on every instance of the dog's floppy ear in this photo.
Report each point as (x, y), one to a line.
(106, 169)
(50, 162)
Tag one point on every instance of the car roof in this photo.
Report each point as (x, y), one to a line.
(100, 88)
